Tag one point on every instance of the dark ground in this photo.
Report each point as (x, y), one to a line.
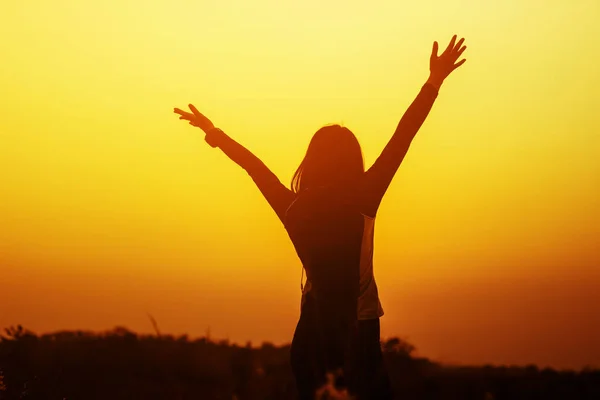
(120, 364)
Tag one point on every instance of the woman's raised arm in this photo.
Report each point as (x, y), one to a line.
(277, 195)
(379, 176)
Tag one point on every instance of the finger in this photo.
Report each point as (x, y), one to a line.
(434, 51)
(451, 44)
(460, 42)
(195, 110)
(462, 49)
(186, 115)
(179, 111)
(458, 64)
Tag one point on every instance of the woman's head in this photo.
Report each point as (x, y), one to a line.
(333, 158)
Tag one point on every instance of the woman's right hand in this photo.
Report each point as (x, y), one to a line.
(441, 66)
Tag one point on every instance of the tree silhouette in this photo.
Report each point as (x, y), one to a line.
(120, 364)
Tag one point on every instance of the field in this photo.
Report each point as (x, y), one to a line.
(120, 364)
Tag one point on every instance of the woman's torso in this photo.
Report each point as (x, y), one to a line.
(334, 241)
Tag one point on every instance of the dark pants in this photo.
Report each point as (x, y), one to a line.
(373, 382)
(321, 345)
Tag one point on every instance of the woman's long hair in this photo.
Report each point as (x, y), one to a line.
(333, 158)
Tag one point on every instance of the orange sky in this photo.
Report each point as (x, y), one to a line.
(110, 208)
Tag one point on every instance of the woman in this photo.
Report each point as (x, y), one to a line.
(329, 214)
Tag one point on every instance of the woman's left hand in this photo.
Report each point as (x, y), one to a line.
(195, 118)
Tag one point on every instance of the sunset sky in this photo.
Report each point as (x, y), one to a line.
(487, 244)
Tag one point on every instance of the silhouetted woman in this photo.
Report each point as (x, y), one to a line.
(329, 214)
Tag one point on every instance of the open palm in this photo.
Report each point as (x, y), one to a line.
(441, 66)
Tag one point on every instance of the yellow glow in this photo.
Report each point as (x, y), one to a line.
(110, 207)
